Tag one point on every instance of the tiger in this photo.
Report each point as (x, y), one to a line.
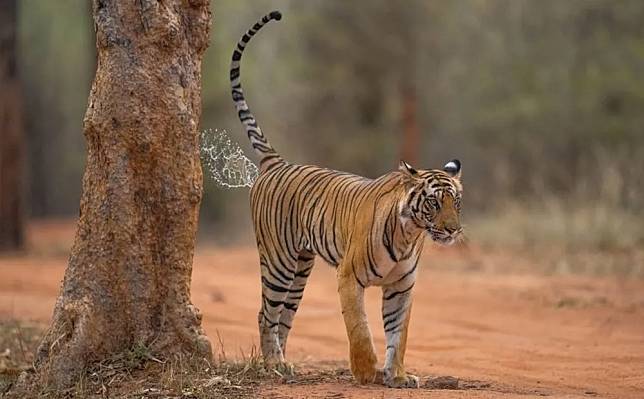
(371, 230)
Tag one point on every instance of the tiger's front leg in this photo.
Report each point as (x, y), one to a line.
(362, 354)
(396, 311)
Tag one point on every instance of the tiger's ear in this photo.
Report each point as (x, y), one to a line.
(407, 169)
(453, 168)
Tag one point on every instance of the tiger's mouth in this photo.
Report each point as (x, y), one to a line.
(445, 241)
(443, 237)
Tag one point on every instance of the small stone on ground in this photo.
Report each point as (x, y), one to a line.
(443, 382)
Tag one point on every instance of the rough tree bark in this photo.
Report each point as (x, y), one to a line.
(11, 134)
(128, 278)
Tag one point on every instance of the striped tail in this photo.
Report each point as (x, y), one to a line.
(257, 139)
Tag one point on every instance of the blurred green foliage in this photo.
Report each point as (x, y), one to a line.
(539, 99)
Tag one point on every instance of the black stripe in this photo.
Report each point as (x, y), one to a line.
(272, 302)
(284, 325)
(395, 318)
(372, 267)
(262, 147)
(284, 280)
(272, 286)
(409, 272)
(267, 158)
(394, 328)
(393, 312)
(390, 250)
(395, 294)
(270, 323)
(356, 276)
(238, 96)
(243, 113)
(234, 73)
(304, 273)
(254, 134)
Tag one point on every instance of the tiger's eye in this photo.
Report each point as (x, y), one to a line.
(457, 204)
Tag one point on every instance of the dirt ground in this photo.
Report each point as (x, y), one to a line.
(504, 334)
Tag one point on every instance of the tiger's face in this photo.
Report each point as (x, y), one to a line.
(433, 202)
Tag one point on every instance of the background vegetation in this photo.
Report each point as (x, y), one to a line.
(542, 101)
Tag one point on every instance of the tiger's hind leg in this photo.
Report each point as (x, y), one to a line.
(304, 266)
(278, 273)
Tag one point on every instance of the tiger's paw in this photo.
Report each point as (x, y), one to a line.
(364, 368)
(402, 381)
(366, 376)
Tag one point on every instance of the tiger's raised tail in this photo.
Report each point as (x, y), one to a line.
(257, 139)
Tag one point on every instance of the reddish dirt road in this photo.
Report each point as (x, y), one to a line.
(522, 335)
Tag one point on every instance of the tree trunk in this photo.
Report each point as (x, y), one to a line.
(128, 278)
(11, 134)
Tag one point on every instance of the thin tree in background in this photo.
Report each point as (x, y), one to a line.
(128, 278)
(410, 20)
(410, 133)
(11, 134)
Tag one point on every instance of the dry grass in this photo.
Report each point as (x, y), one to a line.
(137, 373)
(591, 239)
(18, 342)
(555, 224)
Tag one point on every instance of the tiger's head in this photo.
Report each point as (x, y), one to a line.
(433, 200)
